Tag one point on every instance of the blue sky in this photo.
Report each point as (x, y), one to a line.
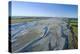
(43, 9)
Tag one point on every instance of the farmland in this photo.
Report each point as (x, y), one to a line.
(73, 23)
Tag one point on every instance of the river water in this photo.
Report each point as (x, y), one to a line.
(42, 35)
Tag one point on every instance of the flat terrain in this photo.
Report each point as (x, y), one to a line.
(20, 20)
(73, 23)
(43, 34)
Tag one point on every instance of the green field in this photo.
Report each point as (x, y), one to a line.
(73, 38)
(18, 20)
(26, 19)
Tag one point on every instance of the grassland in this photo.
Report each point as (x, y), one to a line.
(18, 20)
(73, 36)
(26, 19)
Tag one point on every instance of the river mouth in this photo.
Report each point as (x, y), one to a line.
(40, 35)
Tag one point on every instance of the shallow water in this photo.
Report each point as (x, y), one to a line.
(51, 34)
